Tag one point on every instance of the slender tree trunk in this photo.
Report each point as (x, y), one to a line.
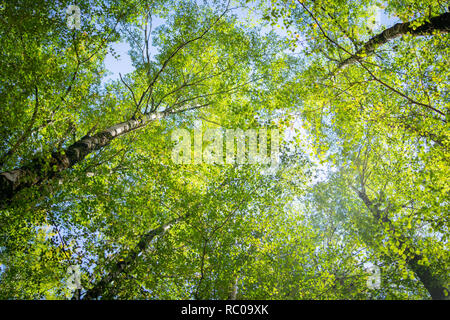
(100, 288)
(42, 169)
(432, 283)
(439, 23)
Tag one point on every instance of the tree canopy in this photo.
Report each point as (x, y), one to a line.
(345, 105)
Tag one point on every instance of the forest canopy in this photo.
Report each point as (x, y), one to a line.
(287, 150)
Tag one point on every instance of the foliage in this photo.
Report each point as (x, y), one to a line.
(364, 180)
